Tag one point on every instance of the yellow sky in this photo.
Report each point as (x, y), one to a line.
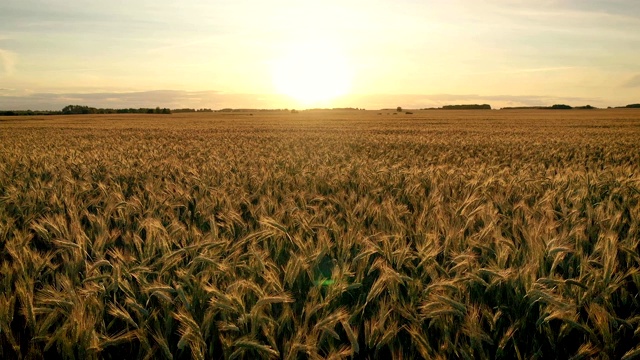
(306, 53)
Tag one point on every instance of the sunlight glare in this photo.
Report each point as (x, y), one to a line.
(312, 73)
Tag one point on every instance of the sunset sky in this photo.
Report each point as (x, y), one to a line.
(296, 54)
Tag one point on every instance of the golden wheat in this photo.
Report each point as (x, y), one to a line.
(501, 234)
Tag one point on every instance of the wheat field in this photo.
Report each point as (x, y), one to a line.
(321, 234)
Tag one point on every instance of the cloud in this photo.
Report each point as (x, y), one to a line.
(8, 61)
(496, 101)
(634, 82)
(175, 99)
(543, 69)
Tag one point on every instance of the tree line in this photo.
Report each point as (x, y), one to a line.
(459, 107)
(80, 109)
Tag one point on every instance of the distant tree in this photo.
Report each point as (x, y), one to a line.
(561, 107)
(633, 106)
(399, 109)
(468, 107)
(78, 109)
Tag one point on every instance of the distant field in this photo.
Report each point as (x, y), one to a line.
(440, 234)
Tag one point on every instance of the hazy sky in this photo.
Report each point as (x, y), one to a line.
(377, 53)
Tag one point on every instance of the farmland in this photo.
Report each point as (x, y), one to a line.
(337, 234)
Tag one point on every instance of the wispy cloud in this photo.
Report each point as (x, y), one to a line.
(634, 82)
(572, 15)
(591, 10)
(496, 101)
(581, 19)
(163, 98)
(179, 45)
(530, 70)
(8, 61)
(543, 69)
(217, 100)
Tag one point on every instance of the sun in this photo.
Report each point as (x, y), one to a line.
(312, 73)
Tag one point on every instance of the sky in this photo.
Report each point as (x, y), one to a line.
(334, 53)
